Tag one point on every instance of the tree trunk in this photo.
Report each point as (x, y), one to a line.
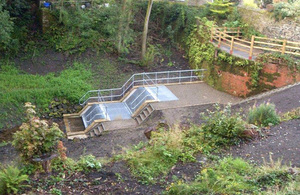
(121, 26)
(145, 32)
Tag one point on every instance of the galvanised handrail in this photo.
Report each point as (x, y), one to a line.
(138, 79)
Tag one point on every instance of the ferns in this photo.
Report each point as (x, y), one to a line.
(11, 180)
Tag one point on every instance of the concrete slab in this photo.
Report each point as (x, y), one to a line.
(195, 94)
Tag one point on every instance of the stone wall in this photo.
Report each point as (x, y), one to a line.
(263, 22)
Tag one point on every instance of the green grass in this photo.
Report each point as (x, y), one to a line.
(236, 176)
(150, 161)
(17, 87)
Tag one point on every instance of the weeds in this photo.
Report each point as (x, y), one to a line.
(293, 114)
(222, 127)
(263, 115)
(236, 176)
(166, 148)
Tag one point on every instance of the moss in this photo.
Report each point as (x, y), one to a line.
(270, 77)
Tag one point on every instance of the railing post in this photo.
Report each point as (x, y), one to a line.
(212, 34)
(179, 77)
(168, 77)
(143, 79)
(251, 47)
(283, 47)
(219, 43)
(238, 33)
(231, 45)
(156, 78)
(225, 30)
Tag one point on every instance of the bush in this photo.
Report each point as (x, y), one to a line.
(222, 128)
(36, 137)
(6, 29)
(283, 10)
(263, 115)
(11, 180)
(162, 152)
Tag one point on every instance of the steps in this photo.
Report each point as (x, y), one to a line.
(97, 130)
(144, 114)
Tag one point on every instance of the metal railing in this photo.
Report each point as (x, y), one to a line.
(142, 79)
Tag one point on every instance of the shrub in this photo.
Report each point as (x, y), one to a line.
(222, 128)
(162, 152)
(36, 137)
(283, 10)
(11, 180)
(263, 115)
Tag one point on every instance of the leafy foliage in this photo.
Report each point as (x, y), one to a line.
(166, 148)
(222, 127)
(220, 7)
(36, 137)
(263, 115)
(163, 151)
(11, 180)
(225, 177)
(236, 176)
(88, 163)
(283, 10)
(6, 28)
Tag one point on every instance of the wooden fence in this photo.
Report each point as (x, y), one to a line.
(232, 38)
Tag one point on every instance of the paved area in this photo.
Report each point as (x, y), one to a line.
(195, 94)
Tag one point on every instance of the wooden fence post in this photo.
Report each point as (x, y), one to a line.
(225, 30)
(283, 47)
(238, 33)
(231, 45)
(251, 47)
(219, 43)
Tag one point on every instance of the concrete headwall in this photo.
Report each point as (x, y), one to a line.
(263, 22)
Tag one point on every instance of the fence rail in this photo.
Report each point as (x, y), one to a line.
(231, 38)
(142, 79)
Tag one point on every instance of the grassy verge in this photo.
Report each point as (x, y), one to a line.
(18, 87)
(236, 176)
